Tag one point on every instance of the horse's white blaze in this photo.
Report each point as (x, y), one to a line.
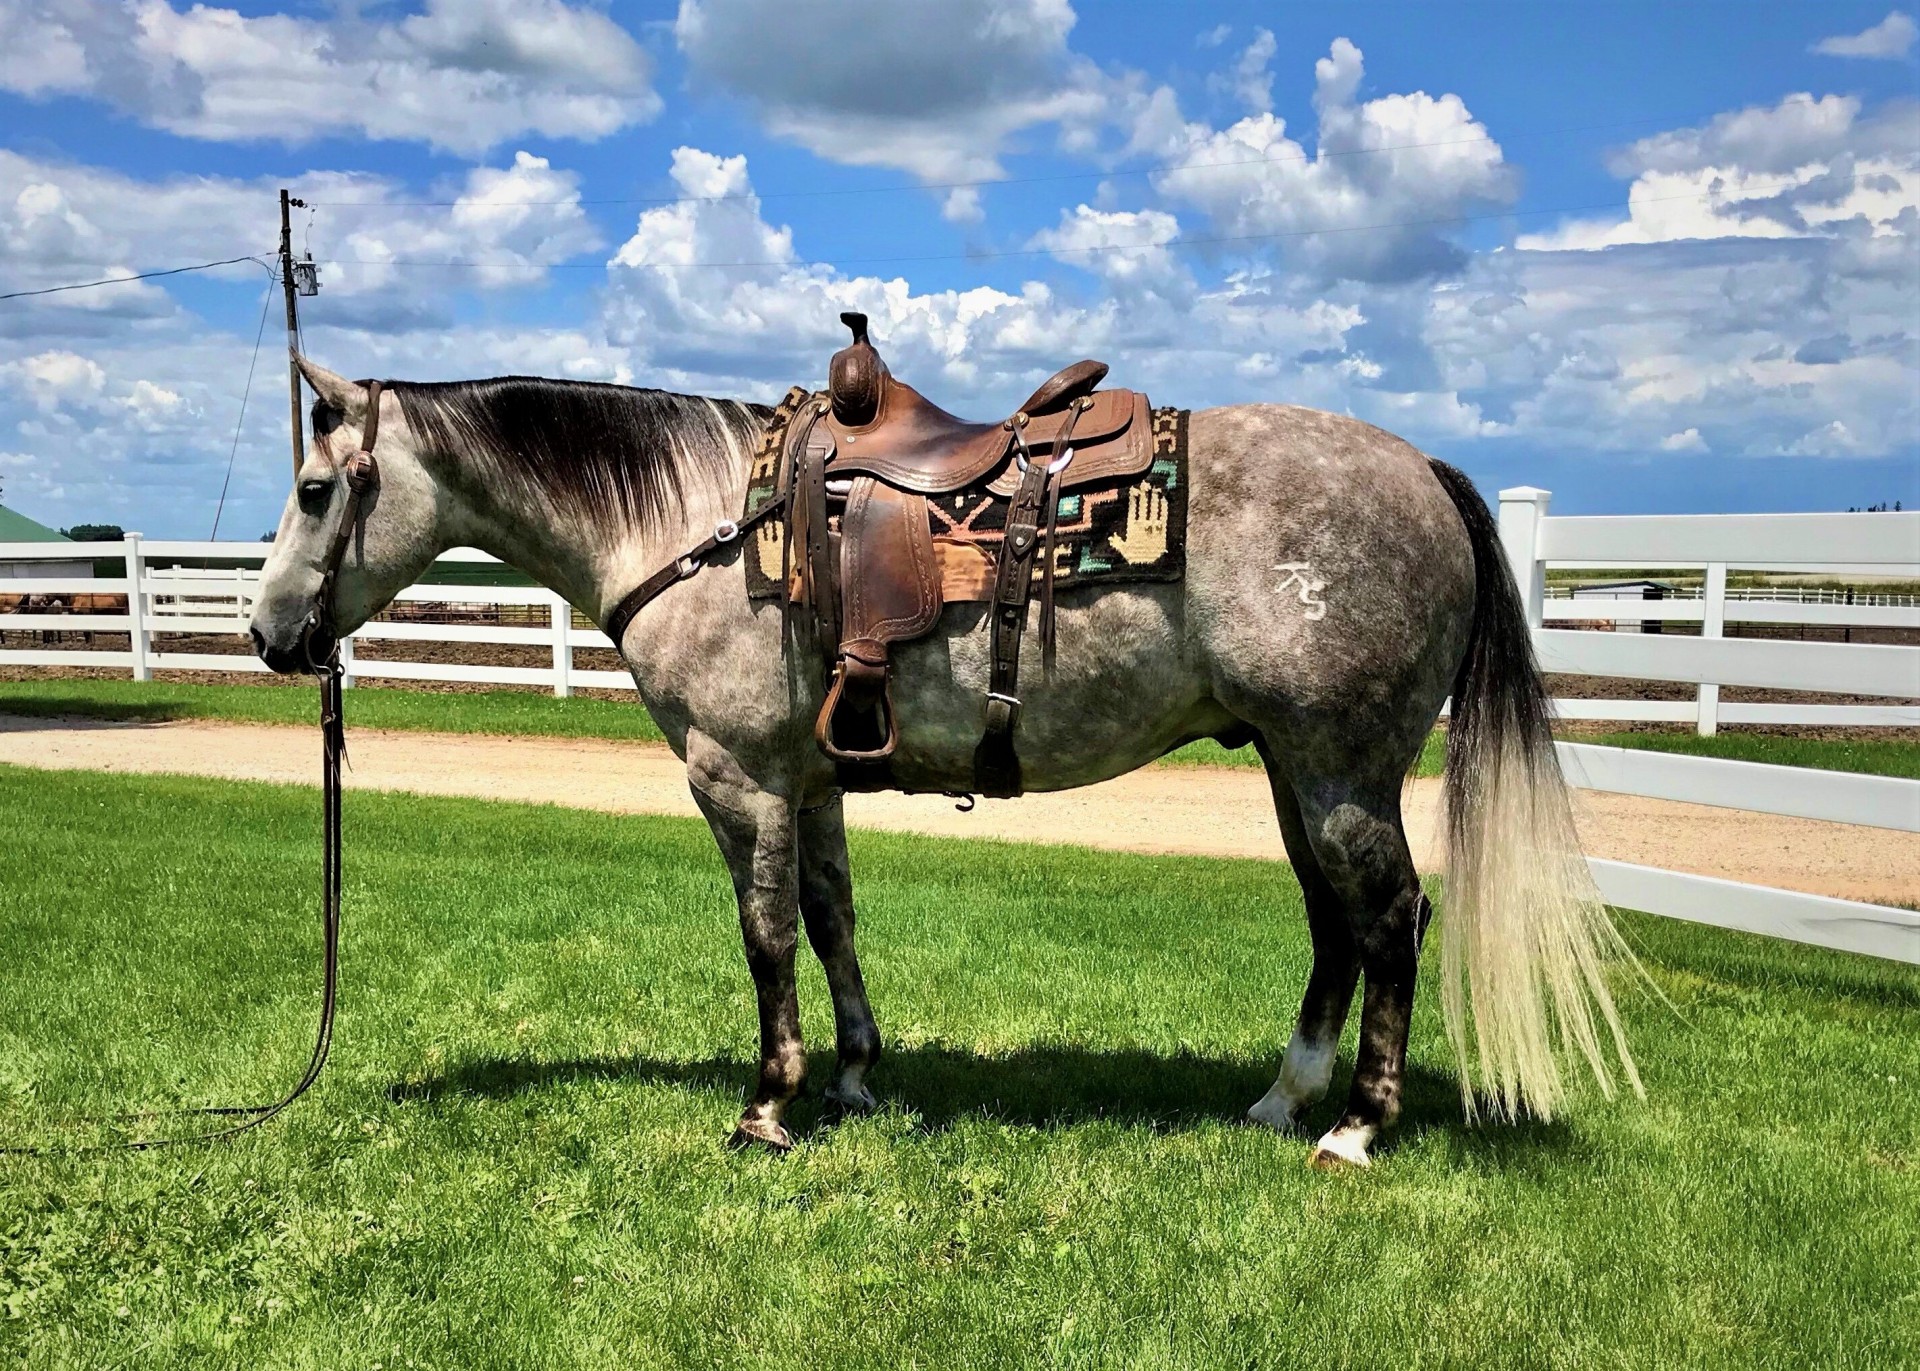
(1524, 937)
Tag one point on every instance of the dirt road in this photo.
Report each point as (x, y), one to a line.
(1201, 811)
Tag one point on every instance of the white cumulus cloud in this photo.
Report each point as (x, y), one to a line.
(56, 377)
(61, 223)
(939, 91)
(689, 324)
(464, 75)
(1831, 439)
(1120, 245)
(1801, 167)
(1363, 205)
(1892, 37)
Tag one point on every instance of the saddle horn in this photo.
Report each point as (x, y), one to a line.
(856, 378)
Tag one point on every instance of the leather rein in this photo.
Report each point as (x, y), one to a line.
(362, 475)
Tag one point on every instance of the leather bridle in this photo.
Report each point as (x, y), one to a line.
(362, 474)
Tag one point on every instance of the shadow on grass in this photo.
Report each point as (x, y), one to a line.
(1051, 1087)
(25, 713)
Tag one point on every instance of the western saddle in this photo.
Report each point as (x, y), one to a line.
(860, 463)
(869, 573)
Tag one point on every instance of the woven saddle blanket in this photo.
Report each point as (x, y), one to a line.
(1134, 530)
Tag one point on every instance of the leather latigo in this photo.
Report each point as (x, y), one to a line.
(966, 570)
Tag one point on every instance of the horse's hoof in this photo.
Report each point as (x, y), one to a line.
(1340, 1151)
(762, 1135)
(849, 1104)
(1275, 1113)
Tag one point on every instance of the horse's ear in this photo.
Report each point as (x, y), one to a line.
(349, 397)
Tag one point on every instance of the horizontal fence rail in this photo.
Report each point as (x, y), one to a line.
(1847, 925)
(1798, 792)
(146, 593)
(1880, 545)
(1836, 668)
(1886, 542)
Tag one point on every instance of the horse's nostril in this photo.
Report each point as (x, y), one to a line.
(259, 643)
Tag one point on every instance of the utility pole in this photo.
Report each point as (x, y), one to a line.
(298, 429)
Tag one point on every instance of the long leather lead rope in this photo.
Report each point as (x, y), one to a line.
(361, 474)
(249, 1116)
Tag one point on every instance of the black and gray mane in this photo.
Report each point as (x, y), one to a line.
(613, 454)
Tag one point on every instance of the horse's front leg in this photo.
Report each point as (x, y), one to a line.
(755, 830)
(826, 904)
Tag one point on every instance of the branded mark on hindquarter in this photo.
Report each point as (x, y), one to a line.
(1300, 574)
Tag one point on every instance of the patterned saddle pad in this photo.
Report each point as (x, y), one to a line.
(1134, 530)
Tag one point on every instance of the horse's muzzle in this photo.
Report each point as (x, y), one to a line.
(315, 645)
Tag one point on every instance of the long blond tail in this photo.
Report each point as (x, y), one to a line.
(1524, 940)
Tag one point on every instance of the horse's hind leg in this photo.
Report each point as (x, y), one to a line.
(1307, 1069)
(1355, 831)
(826, 905)
(1363, 847)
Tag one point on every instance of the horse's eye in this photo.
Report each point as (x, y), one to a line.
(314, 496)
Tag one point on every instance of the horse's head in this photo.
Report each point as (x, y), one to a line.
(353, 534)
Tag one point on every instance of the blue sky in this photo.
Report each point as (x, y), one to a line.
(1417, 213)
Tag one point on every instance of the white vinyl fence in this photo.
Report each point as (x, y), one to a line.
(1885, 545)
(197, 600)
(169, 600)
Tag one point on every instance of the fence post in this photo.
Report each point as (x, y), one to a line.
(1521, 510)
(136, 609)
(560, 614)
(1713, 623)
(347, 678)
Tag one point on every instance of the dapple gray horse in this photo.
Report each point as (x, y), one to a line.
(1339, 586)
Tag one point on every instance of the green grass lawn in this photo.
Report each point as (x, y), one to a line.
(516, 1158)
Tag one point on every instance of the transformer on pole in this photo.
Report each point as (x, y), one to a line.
(296, 279)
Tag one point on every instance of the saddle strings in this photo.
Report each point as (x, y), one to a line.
(1056, 469)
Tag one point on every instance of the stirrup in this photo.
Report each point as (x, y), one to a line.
(823, 724)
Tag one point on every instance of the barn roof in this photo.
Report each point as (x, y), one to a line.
(16, 527)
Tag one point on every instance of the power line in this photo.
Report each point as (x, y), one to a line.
(1184, 242)
(265, 299)
(138, 276)
(1153, 169)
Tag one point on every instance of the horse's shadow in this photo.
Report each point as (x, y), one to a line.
(1040, 1087)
